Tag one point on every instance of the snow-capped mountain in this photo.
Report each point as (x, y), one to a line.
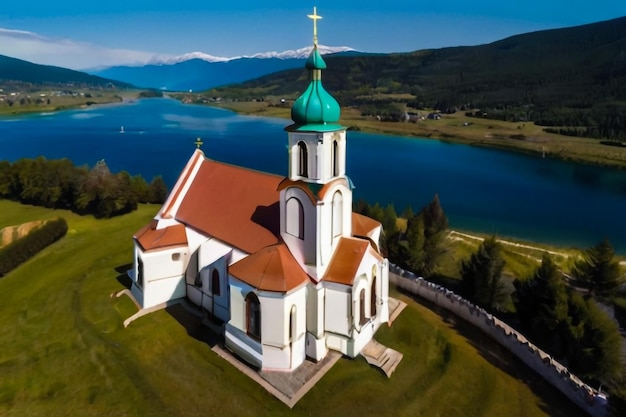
(200, 71)
(289, 54)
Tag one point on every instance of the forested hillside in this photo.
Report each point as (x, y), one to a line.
(16, 70)
(572, 78)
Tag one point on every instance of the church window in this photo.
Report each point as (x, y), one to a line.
(215, 282)
(337, 214)
(303, 160)
(373, 296)
(253, 316)
(292, 324)
(139, 272)
(335, 159)
(295, 218)
(175, 256)
(362, 318)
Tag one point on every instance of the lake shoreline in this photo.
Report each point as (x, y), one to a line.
(459, 129)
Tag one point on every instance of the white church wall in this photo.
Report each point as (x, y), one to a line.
(338, 309)
(164, 263)
(238, 292)
(163, 290)
(303, 250)
(315, 309)
(163, 276)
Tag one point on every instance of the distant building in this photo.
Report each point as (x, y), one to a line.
(282, 261)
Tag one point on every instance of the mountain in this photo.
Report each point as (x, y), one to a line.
(573, 77)
(199, 71)
(17, 70)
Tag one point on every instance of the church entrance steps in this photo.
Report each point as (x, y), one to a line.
(143, 311)
(395, 308)
(381, 356)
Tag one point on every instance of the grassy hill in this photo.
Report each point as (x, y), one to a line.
(64, 351)
(573, 78)
(13, 70)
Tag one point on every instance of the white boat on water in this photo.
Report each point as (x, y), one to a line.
(122, 129)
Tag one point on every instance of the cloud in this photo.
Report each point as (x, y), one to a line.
(65, 53)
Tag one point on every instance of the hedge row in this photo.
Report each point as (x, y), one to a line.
(26, 247)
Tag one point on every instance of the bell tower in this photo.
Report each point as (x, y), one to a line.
(316, 197)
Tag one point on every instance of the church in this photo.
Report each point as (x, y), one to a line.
(283, 262)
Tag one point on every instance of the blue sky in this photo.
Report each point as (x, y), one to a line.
(83, 34)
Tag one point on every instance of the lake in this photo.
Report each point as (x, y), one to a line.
(483, 190)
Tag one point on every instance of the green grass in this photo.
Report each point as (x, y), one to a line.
(64, 351)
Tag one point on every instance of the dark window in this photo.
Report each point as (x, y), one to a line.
(303, 160)
(362, 318)
(373, 298)
(335, 159)
(215, 282)
(139, 272)
(253, 316)
(198, 281)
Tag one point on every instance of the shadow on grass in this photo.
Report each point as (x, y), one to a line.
(553, 402)
(122, 276)
(194, 325)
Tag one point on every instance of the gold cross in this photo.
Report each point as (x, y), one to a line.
(198, 143)
(315, 18)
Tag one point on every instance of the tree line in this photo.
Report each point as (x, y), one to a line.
(59, 184)
(561, 312)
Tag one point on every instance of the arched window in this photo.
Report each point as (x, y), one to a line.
(337, 219)
(373, 296)
(295, 218)
(139, 272)
(293, 333)
(253, 316)
(335, 158)
(215, 282)
(303, 160)
(362, 318)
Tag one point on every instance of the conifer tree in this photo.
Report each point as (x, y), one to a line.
(481, 275)
(541, 304)
(598, 271)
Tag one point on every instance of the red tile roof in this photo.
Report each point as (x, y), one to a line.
(346, 260)
(151, 238)
(236, 205)
(363, 225)
(270, 269)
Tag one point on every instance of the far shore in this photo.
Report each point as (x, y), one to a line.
(458, 128)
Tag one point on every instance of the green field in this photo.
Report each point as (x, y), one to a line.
(64, 351)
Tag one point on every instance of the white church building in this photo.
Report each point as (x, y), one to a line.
(283, 262)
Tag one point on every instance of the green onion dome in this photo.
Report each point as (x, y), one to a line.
(315, 106)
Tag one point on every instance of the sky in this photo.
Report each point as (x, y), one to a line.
(82, 34)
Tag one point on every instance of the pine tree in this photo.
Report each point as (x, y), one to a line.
(541, 304)
(481, 275)
(598, 271)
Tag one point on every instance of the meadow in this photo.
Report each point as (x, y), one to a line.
(64, 350)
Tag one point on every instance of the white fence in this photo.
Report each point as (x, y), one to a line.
(587, 398)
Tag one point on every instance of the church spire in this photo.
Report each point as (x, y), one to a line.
(315, 110)
(315, 17)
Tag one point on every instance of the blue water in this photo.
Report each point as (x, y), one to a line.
(480, 189)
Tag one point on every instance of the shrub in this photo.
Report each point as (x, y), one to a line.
(19, 251)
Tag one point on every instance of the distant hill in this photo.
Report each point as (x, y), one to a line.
(201, 74)
(17, 70)
(573, 77)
